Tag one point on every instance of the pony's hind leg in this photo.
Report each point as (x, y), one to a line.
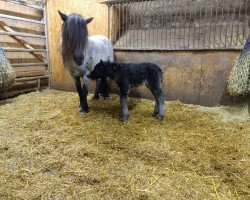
(97, 88)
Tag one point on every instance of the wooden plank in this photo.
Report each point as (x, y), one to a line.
(28, 64)
(8, 42)
(18, 10)
(23, 50)
(24, 27)
(22, 34)
(29, 5)
(30, 73)
(31, 78)
(21, 19)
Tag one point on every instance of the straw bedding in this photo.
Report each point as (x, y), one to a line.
(48, 151)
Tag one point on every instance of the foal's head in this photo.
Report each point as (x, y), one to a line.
(74, 37)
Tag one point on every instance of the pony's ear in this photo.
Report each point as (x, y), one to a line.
(63, 16)
(101, 61)
(89, 20)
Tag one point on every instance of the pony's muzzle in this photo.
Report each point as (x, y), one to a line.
(78, 60)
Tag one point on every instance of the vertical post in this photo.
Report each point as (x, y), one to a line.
(119, 24)
(194, 32)
(39, 84)
(227, 26)
(221, 24)
(170, 25)
(245, 26)
(162, 23)
(232, 29)
(215, 24)
(45, 15)
(204, 28)
(237, 35)
(189, 25)
(109, 21)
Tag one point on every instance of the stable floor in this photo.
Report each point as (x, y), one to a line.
(49, 151)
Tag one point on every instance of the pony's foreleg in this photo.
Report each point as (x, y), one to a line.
(96, 95)
(80, 91)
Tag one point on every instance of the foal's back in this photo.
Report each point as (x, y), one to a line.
(138, 73)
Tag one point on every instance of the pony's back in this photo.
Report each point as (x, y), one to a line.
(99, 48)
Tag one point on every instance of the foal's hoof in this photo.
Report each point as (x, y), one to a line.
(159, 117)
(124, 118)
(95, 98)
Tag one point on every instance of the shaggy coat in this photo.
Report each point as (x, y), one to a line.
(133, 75)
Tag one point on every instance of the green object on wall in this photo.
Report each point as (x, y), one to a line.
(7, 73)
(239, 79)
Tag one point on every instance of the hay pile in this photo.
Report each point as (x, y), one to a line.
(48, 151)
(239, 79)
(7, 73)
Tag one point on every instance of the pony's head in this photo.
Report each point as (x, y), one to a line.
(74, 37)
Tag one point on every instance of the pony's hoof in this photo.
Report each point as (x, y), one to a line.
(159, 117)
(154, 114)
(95, 98)
(124, 118)
(106, 98)
(82, 111)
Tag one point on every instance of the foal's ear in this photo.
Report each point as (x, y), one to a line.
(63, 16)
(101, 61)
(89, 20)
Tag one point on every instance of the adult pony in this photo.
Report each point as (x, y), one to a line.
(81, 54)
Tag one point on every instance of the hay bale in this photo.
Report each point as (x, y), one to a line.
(7, 73)
(239, 79)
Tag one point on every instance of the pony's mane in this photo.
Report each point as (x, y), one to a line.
(74, 35)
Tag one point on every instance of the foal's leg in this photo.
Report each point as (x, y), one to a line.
(124, 116)
(97, 88)
(159, 99)
(104, 90)
(80, 93)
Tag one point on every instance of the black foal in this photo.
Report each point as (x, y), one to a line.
(133, 75)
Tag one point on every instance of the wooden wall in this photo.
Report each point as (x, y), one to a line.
(197, 77)
(8, 9)
(60, 78)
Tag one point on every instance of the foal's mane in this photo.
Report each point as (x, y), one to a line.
(74, 35)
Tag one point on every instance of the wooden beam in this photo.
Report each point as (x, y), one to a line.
(31, 78)
(112, 2)
(21, 19)
(23, 50)
(20, 40)
(22, 34)
(28, 64)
